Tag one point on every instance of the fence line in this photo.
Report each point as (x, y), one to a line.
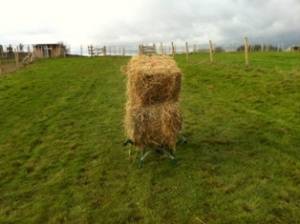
(11, 57)
(191, 48)
(14, 57)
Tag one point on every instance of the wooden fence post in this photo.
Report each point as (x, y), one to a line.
(211, 52)
(173, 49)
(104, 51)
(123, 51)
(1, 55)
(187, 51)
(0, 66)
(161, 48)
(154, 47)
(194, 48)
(246, 46)
(141, 49)
(17, 57)
(91, 50)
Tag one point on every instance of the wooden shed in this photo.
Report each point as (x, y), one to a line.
(294, 48)
(49, 50)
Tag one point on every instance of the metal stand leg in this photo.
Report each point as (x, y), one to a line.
(162, 149)
(170, 155)
(128, 141)
(143, 156)
(182, 140)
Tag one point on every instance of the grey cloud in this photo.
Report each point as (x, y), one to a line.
(225, 21)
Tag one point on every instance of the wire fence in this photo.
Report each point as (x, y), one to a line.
(180, 48)
(12, 56)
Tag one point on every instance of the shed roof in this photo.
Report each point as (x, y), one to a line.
(48, 45)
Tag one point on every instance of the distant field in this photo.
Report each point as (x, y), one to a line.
(62, 159)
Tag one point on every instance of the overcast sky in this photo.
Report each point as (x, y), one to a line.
(134, 21)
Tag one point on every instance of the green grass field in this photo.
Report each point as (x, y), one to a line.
(62, 159)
